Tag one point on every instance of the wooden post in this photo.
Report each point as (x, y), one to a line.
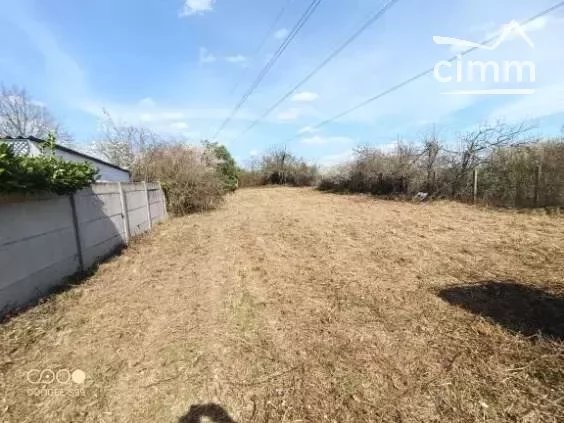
(475, 188)
(76, 233)
(124, 215)
(148, 204)
(538, 175)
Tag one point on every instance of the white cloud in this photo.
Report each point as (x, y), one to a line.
(188, 121)
(537, 25)
(308, 130)
(147, 102)
(35, 102)
(236, 59)
(63, 73)
(546, 101)
(281, 33)
(323, 140)
(133, 112)
(179, 125)
(157, 116)
(196, 7)
(290, 114)
(305, 97)
(205, 56)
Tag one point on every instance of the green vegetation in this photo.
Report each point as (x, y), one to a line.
(46, 173)
(226, 166)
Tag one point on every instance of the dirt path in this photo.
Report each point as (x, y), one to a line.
(290, 305)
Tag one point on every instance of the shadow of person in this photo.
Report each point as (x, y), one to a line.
(213, 412)
(520, 308)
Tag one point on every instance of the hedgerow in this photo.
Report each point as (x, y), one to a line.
(46, 173)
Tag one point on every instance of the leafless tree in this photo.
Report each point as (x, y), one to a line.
(277, 164)
(475, 145)
(20, 116)
(280, 166)
(429, 158)
(121, 144)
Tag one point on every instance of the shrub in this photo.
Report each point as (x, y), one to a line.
(226, 165)
(336, 180)
(46, 173)
(279, 167)
(511, 175)
(189, 176)
(374, 172)
(249, 178)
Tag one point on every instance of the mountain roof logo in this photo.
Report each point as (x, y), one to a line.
(509, 29)
(512, 74)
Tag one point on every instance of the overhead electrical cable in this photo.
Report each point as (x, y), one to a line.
(261, 45)
(266, 69)
(324, 63)
(423, 73)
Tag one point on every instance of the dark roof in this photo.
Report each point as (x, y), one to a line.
(69, 150)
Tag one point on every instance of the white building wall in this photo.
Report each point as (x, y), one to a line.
(106, 173)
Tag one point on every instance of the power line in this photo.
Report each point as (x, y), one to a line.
(262, 74)
(423, 73)
(324, 63)
(261, 45)
(301, 22)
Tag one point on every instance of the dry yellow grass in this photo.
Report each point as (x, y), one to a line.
(289, 305)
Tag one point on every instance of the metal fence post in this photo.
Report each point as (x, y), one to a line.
(475, 187)
(124, 215)
(76, 232)
(538, 173)
(148, 204)
(163, 200)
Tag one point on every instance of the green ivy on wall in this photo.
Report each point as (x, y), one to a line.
(45, 173)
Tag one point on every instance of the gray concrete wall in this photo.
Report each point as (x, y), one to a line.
(44, 239)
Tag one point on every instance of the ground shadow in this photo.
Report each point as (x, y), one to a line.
(521, 308)
(213, 412)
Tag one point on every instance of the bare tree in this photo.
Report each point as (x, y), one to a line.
(20, 116)
(121, 144)
(477, 144)
(277, 163)
(431, 149)
(280, 166)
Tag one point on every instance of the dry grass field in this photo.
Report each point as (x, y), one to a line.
(289, 305)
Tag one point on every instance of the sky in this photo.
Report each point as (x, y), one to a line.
(180, 66)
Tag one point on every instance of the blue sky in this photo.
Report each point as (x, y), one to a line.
(179, 66)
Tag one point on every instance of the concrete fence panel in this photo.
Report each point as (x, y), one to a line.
(100, 222)
(37, 248)
(46, 238)
(137, 208)
(157, 203)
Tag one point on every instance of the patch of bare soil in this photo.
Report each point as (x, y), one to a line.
(289, 305)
